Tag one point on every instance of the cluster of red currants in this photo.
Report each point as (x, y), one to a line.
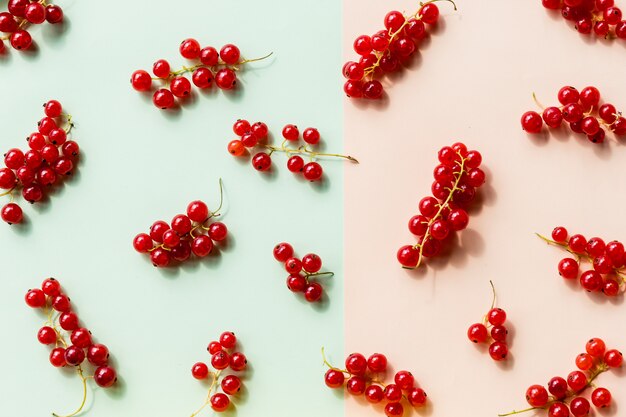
(183, 236)
(582, 111)
(496, 337)
(61, 319)
(22, 13)
(456, 179)
(598, 16)
(361, 377)
(302, 271)
(255, 136)
(50, 156)
(223, 357)
(210, 66)
(388, 50)
(607, 260)
(563, 397)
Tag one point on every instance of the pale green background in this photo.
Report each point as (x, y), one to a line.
(140, 165)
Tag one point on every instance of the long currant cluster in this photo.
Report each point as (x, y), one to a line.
(607, 261)
(496, 336)
(563, 397)
(598, 16)
(50, 156)
(254, 137)
(456, 179)
(582, 111)
(362, 377)
(223, 357)
(209, 65)
(388, 50)
(23, 13)
(184, 235)
(302, 272)
(62, 321)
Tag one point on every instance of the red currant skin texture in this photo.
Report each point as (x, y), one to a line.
(200, 370)
(313, 292)
(408, 256)
(230, 54)
(11, 213)
(197, 211)
(595, 347)
(496, 316)
(226, 79)
(532, 122)
(312, 171)
(416, 397)
(374, 394)
(613, 358)
(238, 361)
(404, 380)
(231, 384)
(558, 387)
(163, 99)
(219, 402)
(356, 364)
(394, 410)
(190, 48)
(283, 251)
(98, 354)
(601, 397)
(334, 379)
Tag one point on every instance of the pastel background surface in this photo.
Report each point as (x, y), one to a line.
(141, 165)
(472, 83)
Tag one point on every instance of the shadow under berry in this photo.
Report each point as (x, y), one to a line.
(52, 34)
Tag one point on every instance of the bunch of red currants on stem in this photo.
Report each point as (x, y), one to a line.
(60, 319)
(563, 397)
(362, 377)
(223, 357)
(186, 234)
(608, 261)
(254, 136)
(456, 179)
(50, 157)
(302, 271)
(209, 65)
(22, 13)
(598, 16)
(496, 336)
(388, 50)
(582, 111)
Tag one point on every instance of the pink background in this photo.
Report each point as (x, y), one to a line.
(472, 82)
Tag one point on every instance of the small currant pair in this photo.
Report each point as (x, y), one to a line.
(50, 157)
(185, 234)
(362, 376)
(581, 111)
(607, 261)
(23, 13)
(456, 179)
(72, 344)
(224, 358)
(492, 330)
(387, 51)
(563, 397)
(209, 65)
(253, 137)
(303, 273)
(598, 16)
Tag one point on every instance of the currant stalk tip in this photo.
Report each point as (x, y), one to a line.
(82, 404)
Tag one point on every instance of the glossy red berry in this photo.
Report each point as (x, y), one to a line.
(313, 292)
(496, 316)
(200, 370)
(57, 357)
(356, 364)
(231, 384)
(295, 164)
(537, 396)
(601, 397)
(595, 347)
(579, 407)
(190, 48)
(69, 321)
(374, 394)
(46, 335)
(161, 68)
(532, 122)
(404, 380)
(334, 379)
(226, 79)
(163, 99)
(220, 360)
(74, 355)
(202, 246)
(477, 333)
(394, 409)
(498, 351)
(11, 213)
(613, 358)
(238, 361)
(261, 161)
(141, 80)
(577, 380)
(568, 268)
(230, 54)
(21, 40)
(311, 263)
(98, 354)
(377, 362)
(312, 171)
(105, 376)
(219, 402)
(416, 397)
(228, 340)
(209, 56)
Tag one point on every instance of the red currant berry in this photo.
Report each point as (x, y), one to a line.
(311, 263)
(21, 40)
(161, 68)
(171, 239)
(160, 257)
(230, 54)
(579, 407)
(182, 252)
(312, 171)
(498, 351)
(477, 333)
(141, 80)
(180, 87)
(226, 79)
(220, 360)
(393, 393)
(46, 335)
(200, 370)
(496, 316)
(311, 135)
(356, 385)
(218, 231)
(68, 321)
(404, 380)
(209, 56)
(190, 48)
(238, 361)
(568, 268)
(373, 89)
(377, 363)
(81, 338)
(584, 361)
(181, 224)
(559, 234)
(105, 376)
(295, 164)
(57, 357)
(537, 396)
(613, 358)
(202, 78)
(261, 161)
(576, 380)
(335, 379)
(552, 116)
(219, 402)
(416, 397)
(283, 251)
(98, 354)
(228, 340)
(394, 410)
(51, 287)
(236, 148)
(313, 292)
(601, 397)
(214, 347)
(202, 246)
(532, 122)
(163, 98)
(394, 20)
(61, 303)
(558, 410)
(374, 394)
(499, 333)
(591, 280)
(296, 283)
(356, 364)
(197, 211)
(12, 214)
(577, 243)
(74, 355)
(231, 384)
(595, 347)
